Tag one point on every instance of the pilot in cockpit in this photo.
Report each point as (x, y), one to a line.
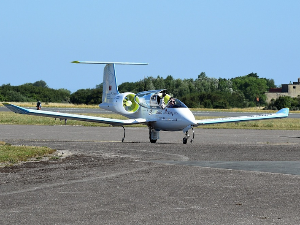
(171, 103)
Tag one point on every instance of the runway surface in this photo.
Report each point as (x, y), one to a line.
(223, 177)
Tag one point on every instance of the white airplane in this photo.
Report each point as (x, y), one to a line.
(147, 107)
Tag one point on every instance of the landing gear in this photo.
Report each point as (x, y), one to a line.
(187, 136)
(153, 135)
(124, 134)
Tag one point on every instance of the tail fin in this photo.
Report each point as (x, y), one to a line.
(110, 87)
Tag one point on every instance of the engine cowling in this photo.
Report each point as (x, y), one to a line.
(126, 103)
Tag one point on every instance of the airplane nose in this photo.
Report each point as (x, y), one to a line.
(188, 116)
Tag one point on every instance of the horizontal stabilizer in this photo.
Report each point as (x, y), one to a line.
(120, 63)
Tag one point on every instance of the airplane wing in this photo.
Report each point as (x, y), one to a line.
(280, 114)
(34, 112)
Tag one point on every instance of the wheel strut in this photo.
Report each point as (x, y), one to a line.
(193, 135)
(124, 134)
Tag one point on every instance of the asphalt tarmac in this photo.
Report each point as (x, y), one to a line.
(223, 177)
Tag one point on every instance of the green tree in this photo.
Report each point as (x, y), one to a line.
(251, 86)
(80, 96)
(95, 97)
(2, 98)
(206, 84)
(40, 83)
(159, 83)
(14, 96)
(224, 85)
(283, 102)
(149, 83)
(270, 83)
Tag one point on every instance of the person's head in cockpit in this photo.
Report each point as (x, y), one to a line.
(171, 103)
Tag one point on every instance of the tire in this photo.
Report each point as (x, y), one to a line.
(153, 141)
(184, 141)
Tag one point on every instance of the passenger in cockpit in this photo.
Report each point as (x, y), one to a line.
(161, 101)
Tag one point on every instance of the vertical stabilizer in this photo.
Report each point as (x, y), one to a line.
(110, 88)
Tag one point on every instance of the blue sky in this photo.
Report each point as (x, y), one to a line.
(223, 38)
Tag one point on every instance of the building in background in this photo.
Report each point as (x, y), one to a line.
(292, 90)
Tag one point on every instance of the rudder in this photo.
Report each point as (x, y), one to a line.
(110, 87)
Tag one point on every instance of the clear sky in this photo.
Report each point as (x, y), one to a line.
(223, 38)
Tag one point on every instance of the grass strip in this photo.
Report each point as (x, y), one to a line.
(11, 154)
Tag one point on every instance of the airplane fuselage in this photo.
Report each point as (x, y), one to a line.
(167, 119)
(171, 119)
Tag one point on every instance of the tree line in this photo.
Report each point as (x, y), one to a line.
(206, 92)
(30, 92)
(202, 92)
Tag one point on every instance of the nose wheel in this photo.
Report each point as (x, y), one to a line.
(153, 135)
(185, 140)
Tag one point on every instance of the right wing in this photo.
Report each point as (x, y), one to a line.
(280, 114)
(34, 112)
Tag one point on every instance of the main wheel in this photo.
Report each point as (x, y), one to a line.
(184, 141)
(153, 141)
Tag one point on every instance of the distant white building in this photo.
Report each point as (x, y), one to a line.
(292, 90)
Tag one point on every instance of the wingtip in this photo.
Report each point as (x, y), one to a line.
(284, 111)
(75, 62)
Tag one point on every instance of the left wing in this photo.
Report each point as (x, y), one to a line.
(280, 114)
(34, 112)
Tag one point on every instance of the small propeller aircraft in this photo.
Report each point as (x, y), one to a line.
(155, 108)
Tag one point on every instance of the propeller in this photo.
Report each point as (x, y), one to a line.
(130, 103)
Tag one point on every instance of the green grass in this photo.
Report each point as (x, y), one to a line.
(10, 154)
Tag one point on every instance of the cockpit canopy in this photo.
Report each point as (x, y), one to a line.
(155, 99)
(177, 104)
